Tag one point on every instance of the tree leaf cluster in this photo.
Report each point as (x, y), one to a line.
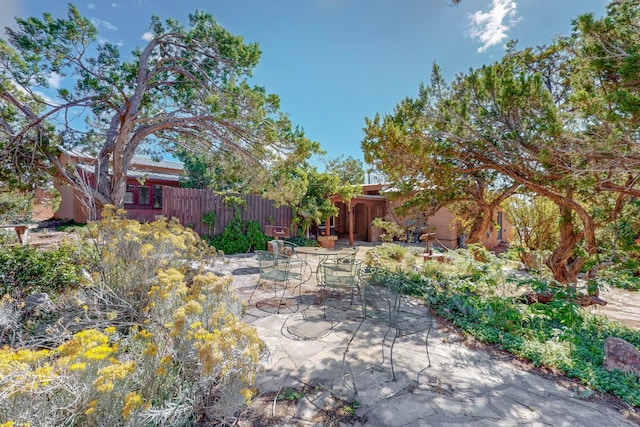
(558, 121)
(186, 90)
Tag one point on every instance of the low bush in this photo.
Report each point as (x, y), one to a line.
(559, 334)
(389, 255)
(25, 269)
(302, 241)
(152, 340)
(240, 237)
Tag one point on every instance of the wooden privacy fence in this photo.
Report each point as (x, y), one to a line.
(189, 206)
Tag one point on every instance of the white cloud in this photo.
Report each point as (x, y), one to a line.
(99, 23)
(91, 6)
(54, 80)
(46, 98)
(148, 36)
(491, 28)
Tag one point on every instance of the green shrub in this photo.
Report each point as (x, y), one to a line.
(15, 206)
(303, 241)
(389, 252)
(240, 237)
(25, 269)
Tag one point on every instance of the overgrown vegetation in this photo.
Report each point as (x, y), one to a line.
(239, 236)
(149, 339)
(302, 241)
(25, 270)
(15, 206)
(479, 298)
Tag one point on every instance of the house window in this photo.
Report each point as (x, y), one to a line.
(143, 195)
(157, 196)
(128, 196)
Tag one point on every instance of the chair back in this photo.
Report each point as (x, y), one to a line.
(282, 247)
(339, 274)
(346, 255)
(275, 266)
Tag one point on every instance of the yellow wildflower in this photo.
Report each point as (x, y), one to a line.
(132, 401)
(80, 366)
(192, 307)
(151, 350)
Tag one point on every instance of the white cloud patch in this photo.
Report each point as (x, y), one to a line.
(91, 6)
(54, 80)
(148, 36)
(491, 28)
(99, 23)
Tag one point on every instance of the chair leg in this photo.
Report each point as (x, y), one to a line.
(284, 291)
(384, 339)
(323, 296)
(426, 347)
(253, 292)
(393, 372)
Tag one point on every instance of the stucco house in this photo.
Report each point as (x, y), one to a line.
(373, 203)
(143, 199)
(146, 177)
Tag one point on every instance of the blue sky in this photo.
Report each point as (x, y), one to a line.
(335, 62)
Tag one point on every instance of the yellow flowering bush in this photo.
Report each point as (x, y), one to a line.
(152, 340)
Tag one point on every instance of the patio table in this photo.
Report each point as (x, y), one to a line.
(316, 251)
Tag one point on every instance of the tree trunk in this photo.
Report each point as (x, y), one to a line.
(564, 265)
(350, 223)
(480, 224)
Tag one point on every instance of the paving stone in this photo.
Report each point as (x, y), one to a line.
(474, 407)
(402, 411)
(462, 387)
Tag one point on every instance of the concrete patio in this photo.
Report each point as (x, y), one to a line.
(461, 387)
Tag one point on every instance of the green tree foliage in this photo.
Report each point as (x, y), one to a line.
(186, 87)
(348, 169)
(215, 171)
(23, 166)
(15, 205)
(535, 221)
(433, 177)
(535, 119)
(316, 205)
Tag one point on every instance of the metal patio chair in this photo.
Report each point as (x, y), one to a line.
(338, 274)
(384, 299)
(279, 269)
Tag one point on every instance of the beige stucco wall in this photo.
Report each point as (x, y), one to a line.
(444, 224)
(66, 210)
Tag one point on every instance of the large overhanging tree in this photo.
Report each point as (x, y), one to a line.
(395, 144)
(559, 121)
(187, 87)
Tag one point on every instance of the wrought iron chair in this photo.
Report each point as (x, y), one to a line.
(384, 299)
(347, 253)
(283, 247)
(338, 274)
(287, 248)
(279, 269)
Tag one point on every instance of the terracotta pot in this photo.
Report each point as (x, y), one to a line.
(327, 241)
